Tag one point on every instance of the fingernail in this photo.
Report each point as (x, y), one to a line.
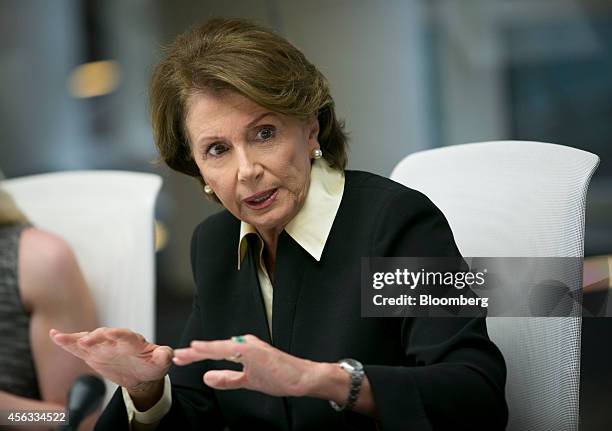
(211, 380)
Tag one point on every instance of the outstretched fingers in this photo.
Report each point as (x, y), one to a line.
(125, 335)
(64, 338)
(69, 342)
(201, 350)
(95, 337)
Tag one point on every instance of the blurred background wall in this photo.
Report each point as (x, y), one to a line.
(406, 75)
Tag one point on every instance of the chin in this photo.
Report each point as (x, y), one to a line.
(270, 220)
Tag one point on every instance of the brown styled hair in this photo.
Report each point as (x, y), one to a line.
(238, 55)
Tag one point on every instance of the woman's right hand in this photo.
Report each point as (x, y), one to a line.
(120, 355)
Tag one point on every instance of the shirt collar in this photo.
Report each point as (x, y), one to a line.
(312, 224)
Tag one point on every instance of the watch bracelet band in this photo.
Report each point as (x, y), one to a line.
(356, 373)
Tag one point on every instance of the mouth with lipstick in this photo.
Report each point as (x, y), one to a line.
(262, 199)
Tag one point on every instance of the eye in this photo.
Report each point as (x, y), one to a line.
(216, 149)
(266, 133)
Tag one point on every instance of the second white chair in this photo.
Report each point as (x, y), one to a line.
(518, 199)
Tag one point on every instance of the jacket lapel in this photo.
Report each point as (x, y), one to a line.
(248, 277)
(291, 261)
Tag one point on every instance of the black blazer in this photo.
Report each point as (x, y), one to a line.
(425, 373)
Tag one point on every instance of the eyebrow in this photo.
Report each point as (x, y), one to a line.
(248, 126)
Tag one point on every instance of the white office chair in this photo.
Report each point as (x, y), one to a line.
(518, 199)
(107, 218)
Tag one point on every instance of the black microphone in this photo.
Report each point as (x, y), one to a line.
(85, 396)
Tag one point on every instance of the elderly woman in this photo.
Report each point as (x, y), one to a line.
(243, 110)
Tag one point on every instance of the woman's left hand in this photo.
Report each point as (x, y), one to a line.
(265, 368)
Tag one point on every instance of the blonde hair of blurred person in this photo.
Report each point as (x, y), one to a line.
(53, 294)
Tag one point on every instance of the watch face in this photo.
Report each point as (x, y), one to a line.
(351, 364)
(348, 366)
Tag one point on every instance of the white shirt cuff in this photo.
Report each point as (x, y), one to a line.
(149, 418)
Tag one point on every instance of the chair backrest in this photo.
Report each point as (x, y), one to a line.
(518, 199)
(107, 218)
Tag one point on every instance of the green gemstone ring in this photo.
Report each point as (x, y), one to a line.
(238, 339)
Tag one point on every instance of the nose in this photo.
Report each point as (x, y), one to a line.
(249, 168)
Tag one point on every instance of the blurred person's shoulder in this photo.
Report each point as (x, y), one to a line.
(46, 265)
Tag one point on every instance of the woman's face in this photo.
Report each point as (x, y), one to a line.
(256, 161)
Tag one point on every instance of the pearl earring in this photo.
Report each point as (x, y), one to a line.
(208, 190)
(317, 154)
